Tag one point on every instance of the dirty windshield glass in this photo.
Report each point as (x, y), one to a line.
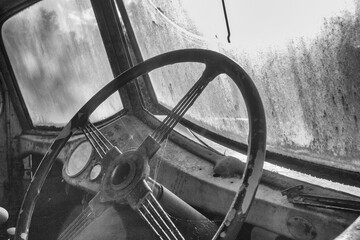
(302, 55)
(59, 60)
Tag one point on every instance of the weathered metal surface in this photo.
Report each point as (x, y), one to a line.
(270, 211)
(183, 173)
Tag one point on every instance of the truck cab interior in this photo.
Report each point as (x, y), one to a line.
(181, 119)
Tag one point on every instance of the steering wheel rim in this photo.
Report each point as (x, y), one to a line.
(257, 135)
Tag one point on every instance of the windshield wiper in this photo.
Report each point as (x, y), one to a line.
(204, 143)
(296, 196)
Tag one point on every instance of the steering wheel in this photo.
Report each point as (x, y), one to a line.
(124, 181)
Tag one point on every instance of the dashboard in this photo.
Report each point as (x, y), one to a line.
(192, 178)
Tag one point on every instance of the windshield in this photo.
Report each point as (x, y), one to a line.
(59, 60)
(302, 55)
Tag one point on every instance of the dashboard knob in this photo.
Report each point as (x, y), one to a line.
(11, 231)
(4, 215)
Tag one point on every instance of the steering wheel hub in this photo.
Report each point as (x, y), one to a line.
(123, 173)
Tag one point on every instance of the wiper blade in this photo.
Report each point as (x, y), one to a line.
(204, 143)
(295, 196)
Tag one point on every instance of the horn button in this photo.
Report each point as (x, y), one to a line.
(121, 174)
(124, 172)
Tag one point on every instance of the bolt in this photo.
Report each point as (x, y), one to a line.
(357, 227)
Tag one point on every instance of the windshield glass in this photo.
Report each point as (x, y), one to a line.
(59, 60)
(302, 55)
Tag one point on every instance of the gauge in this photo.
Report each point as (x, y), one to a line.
(95, 172)
(79, 159)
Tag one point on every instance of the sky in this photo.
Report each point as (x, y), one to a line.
(263, 23)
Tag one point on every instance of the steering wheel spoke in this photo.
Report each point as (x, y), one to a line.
(151, 210)
(184, 104)
(94, 209)
(99, 142)
(103, 220)
(142, 200)
(149, 147)
(147, 203)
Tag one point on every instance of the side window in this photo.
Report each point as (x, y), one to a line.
(59, 60)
